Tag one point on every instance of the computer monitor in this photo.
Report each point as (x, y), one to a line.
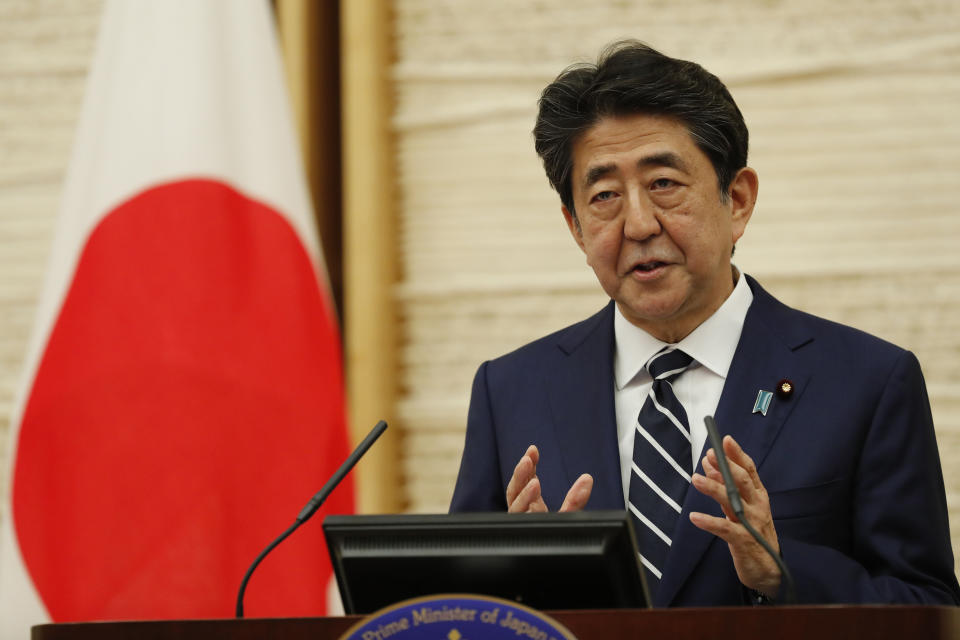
(583, 560)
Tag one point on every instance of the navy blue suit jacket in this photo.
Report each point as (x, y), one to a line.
(849, 460)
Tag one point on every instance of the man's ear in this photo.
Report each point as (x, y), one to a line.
(743, 197)
(574, 225)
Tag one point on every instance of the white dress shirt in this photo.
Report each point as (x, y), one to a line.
(711, 345)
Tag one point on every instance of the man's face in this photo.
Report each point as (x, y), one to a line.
(652, 222)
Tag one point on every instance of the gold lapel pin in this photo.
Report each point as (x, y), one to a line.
(785, 389)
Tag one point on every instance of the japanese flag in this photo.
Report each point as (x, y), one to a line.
(183, 395)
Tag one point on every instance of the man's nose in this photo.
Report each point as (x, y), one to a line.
(642, 219)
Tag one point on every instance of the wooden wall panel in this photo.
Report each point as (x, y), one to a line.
(852, 112)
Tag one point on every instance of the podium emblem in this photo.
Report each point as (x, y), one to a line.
(458, 617)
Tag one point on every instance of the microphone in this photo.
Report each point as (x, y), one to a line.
(737, 505)
(311, 507)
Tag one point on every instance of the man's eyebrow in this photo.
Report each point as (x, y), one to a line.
(596, 172)
(664, 159)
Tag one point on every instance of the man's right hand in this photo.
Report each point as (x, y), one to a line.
(523, 491)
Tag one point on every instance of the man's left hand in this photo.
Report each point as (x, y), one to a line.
(755, 568)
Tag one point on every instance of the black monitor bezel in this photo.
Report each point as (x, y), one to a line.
(432, 539)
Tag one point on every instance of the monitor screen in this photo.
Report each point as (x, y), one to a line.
(583, 560)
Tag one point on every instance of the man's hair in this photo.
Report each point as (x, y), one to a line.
(632, 78)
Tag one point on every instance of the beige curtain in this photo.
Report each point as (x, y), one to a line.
(315, 56)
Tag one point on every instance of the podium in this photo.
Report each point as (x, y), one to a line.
(743, 623)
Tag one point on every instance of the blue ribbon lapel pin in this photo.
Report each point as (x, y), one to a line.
(762, 403)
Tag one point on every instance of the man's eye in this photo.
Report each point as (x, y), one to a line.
(663, 183)
(603, 195)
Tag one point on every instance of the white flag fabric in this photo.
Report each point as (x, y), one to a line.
(183, 395)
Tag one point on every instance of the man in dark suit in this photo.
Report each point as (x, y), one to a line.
(830, 437)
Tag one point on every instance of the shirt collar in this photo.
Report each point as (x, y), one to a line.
(712, 344)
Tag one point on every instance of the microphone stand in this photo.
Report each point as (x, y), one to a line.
(311, 507)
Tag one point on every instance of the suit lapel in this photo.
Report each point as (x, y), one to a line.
(582, 408)
(764, 356)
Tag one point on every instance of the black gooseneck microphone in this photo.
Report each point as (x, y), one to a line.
(737, 505)
(314, 504)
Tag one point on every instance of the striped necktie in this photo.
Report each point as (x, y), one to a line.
(661, 463)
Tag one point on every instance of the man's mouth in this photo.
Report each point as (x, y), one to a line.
(649, 266)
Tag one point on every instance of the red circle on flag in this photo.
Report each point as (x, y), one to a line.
(189, 402)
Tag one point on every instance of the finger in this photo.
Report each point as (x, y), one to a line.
(736, 453)
(525, 470)
(529, 499)
(723, 528)
(534, 454)
(710, 468)
(716, 490)
(579, 493)
(522, 474)
(741, 477)
(711, 471)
